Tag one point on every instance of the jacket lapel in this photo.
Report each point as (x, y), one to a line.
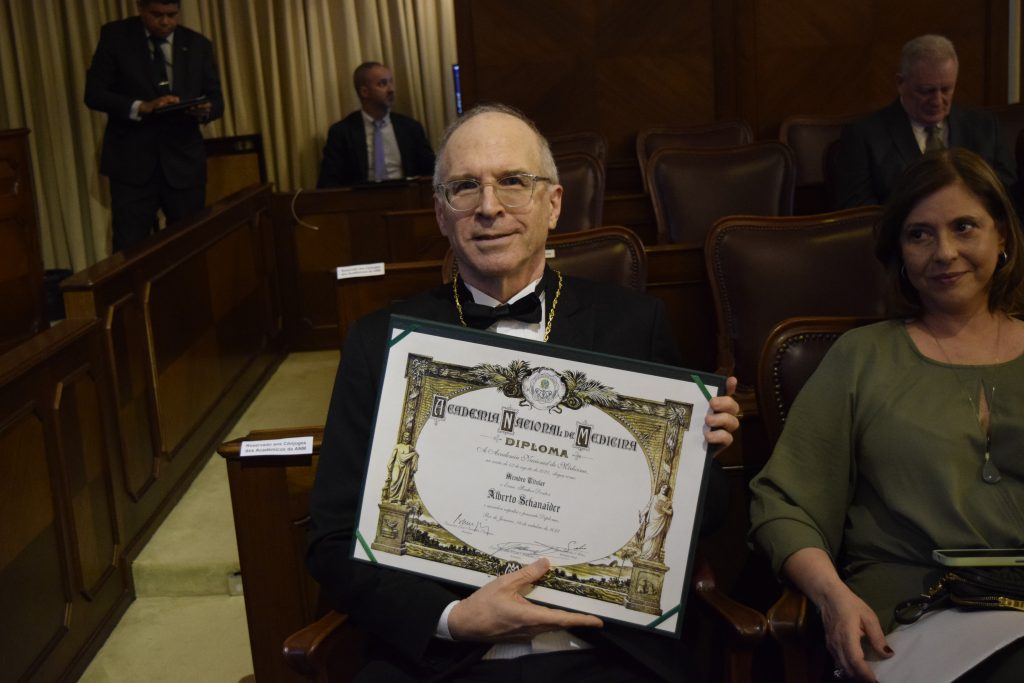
(902, 133)
(574, 318)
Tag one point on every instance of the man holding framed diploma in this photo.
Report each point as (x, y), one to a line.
(496, 466)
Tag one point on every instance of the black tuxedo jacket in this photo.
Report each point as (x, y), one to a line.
(401, 610)
(120, 73)
(873, 152)
(345, 157)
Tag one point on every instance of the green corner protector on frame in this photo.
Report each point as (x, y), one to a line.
(675, 609)
(412, 328)
(700, 383)
(366, 546)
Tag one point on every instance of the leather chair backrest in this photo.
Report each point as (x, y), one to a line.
(610, 254)
(764, 270)
(790, 355)
(725, 133)
(587, 142)
(582, 177)
(809, 137)
(693, 188)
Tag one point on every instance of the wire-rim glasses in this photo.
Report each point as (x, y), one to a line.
(513, 191)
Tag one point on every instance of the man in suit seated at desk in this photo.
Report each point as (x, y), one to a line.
(496, 198)
(874, 151)
(374, 144)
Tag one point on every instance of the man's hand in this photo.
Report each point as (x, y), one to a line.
(200, 111)
(150, 106)
(724, 421)
(498, 612)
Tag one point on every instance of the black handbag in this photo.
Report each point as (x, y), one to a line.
(968, 588)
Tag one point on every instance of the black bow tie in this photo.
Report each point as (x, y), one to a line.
(481, 317)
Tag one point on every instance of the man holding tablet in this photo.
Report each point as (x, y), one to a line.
(144, 70)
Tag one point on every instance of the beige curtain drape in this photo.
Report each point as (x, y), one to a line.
(286, 71)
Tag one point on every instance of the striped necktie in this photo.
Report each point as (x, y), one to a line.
(380, 172)
(934, 139)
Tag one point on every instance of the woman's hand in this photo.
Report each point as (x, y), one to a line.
(847, 619)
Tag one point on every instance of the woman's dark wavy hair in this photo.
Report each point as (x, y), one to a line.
(928, 175)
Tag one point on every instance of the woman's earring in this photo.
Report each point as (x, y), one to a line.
(1001, 259)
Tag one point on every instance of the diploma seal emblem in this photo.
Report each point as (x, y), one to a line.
(544, 389)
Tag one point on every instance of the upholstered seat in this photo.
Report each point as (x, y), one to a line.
(693, 188)
(582, 176)
(725, 133)
(810, 137)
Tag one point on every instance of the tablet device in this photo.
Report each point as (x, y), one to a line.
(182, 105)
(979, 557)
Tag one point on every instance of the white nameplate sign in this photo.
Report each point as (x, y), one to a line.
(360, 270)
(302, 445)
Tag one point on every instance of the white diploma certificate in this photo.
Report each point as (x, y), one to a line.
(490, 452)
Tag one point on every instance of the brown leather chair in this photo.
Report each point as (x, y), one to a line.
(790, 355)
(582, 176)
(809, 137)
(587, 142)
(693, 188)
(610, 254)
(763, 270)
(725, 133)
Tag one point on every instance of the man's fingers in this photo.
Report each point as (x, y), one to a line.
(530, 574)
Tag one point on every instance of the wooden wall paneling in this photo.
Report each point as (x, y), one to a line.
(349, 229)
(634, 211)
(413, 235)
(191, 334)
(63, 581)
(604, 66)
(611, 68)
(22, 303)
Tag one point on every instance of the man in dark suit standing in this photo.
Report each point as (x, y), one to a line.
(873, 152)
(496, 198)
(374, 144)
(155, 161)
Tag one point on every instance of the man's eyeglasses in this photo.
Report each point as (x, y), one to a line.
(513, 191)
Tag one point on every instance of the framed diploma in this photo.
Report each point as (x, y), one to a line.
(490, 452)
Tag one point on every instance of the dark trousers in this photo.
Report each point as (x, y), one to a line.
(134, 207)
(592, 666)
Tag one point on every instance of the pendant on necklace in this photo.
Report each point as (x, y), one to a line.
(989, 471)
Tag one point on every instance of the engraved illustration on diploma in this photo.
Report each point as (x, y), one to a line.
(496, 465)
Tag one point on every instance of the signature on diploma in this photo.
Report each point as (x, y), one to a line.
(537, 549)
(468, 525)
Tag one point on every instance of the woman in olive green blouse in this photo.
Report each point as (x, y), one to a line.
(910, 436)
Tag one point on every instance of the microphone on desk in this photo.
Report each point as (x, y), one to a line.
(296, 216)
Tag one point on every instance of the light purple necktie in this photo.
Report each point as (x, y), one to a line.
(379, 171)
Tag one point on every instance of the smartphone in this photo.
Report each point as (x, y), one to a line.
(979, 557)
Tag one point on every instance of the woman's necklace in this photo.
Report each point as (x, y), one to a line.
(983, 411)
(551, 313)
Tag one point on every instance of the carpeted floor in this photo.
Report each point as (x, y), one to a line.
(188, 620)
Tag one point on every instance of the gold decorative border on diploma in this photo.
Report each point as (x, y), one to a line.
(633, 575)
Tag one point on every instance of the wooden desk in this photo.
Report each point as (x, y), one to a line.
(349, 229)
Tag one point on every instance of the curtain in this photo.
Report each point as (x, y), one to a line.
(286, 71)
